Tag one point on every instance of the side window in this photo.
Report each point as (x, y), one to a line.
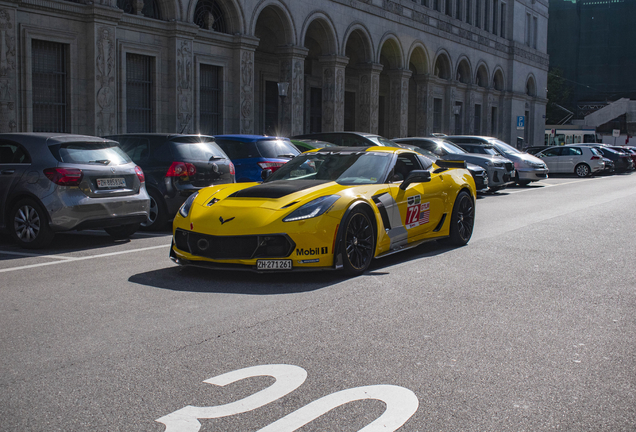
(405, 163)
(426, 162)
(575, 151)
(552, 152)
(136, 148)
(13, 153)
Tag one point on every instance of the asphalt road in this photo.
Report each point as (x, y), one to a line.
(531, 326)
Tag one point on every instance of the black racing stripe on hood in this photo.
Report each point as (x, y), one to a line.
(276, 189)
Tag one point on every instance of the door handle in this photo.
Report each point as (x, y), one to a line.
(7, 171)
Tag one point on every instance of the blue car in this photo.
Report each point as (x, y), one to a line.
(252, 154)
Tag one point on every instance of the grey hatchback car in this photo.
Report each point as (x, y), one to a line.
(52, 182)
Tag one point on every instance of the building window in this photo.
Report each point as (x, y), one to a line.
(468, 14)
(502, 27)
(478, 13)
(436, 5)
(487, 15)
(437, 115)
(449, 8)
(535, 31)
(458, 9)
(495, 16)
(493, 122)
(477, 128)
(209, 15)
(139, 88)
(50, 108)
(315, 110)
(528, 29)
(210, 107)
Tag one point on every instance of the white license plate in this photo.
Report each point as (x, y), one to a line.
(111, 182)
(274, 264)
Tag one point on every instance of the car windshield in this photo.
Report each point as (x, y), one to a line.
(343, 168)
(504, 148)
(201, 151)
(276, 149)
(452, 148)
(90, 153)
(381, 141)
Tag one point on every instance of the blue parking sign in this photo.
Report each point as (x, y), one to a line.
(521, 122)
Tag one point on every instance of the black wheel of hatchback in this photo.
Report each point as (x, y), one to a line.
(29, 226)
(157, 213)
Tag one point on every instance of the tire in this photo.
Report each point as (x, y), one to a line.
(462, 219)
(29, 226)
(582, 170)
(521, 182)
(157, 213)
(122, 232)
(358, 242)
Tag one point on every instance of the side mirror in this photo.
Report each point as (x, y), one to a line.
(416, 176)
(265, 174)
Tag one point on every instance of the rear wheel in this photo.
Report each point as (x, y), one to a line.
(462, 219)
(358, 242)
(157, 213)
(29, 225)
(122, 232)
(582, 170)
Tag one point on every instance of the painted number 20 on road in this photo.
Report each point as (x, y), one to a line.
(401, 403)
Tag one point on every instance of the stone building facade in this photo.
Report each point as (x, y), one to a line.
(397, 68)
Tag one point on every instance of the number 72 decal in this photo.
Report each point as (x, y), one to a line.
(401, 403)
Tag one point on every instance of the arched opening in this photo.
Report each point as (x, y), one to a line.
(150, 9)
(390, 103)
(211, 15)
(418, 65)
(442, 68)
(531, 89)
(463, 72)
(482, 76)
(360, 80)
(498, 80)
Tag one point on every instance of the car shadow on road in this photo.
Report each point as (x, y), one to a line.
(201, 280)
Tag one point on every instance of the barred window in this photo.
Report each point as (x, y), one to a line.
(211, 100)
(139, 89)
(50, 81)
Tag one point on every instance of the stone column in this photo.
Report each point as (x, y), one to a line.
(368, 98)
(292, 71)
(8, 73)
(399, 102)
(469, 106)
(451, 95)
(333, 74)
(184, 86)
(488, 103)
(243, 82)
(105, 80)
(423, 126)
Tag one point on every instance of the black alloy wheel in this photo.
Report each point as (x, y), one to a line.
(157, 212)
(358, 242)
(462, 219)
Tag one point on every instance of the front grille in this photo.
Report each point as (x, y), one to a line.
(509, 166)
(234, 247)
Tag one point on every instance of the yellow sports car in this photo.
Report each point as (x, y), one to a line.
(338, 207)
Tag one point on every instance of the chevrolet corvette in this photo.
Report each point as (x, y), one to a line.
(333, 208)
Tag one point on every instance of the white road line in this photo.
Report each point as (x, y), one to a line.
(508, 191)
(61, 257)
(82, 258)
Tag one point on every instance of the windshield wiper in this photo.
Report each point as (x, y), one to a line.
(101, 161)
(290, 156)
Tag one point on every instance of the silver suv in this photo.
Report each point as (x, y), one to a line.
(51, 182)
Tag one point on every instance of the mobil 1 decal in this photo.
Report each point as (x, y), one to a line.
(417, 212)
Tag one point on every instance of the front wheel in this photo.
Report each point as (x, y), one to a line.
(358, 242)
(582, 170)
(29, 225)
(122, 232)
(462, 219)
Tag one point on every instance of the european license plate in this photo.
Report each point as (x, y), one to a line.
(111, 182)
(274, 264)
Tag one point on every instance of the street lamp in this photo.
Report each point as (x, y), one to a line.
(282, 90)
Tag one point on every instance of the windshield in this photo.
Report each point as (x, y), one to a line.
(452, 148)
(381, 141)
(202, 151)
(91, 153)
(343, 168)
(504, 148)
(276, 149)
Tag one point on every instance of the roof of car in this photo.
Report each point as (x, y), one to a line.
(51, 137)
(250, 138)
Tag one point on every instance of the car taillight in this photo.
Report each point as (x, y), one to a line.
(232, 170)
(595, 157)
(64, 176)
(181, 169)
(140, 174)
(273, 166)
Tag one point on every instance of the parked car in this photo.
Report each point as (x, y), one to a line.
(499, 168)
(304, 145)
(535, 149)
(253, 154)
(624, 150)
(622, 161)
(527, 167)
(609, 168)
(53, 182)
(480, 175)
(349, 139)
(573, 159)
(176, 165)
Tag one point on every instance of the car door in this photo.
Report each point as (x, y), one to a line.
(551, 158)
(570, 157)
(14, 161)
(421, 205)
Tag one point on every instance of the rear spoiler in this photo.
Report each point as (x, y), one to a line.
(450, 164)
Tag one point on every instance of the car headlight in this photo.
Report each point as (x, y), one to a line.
(522, 164)
(488, 163)
(312, 209)
(185, 208)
